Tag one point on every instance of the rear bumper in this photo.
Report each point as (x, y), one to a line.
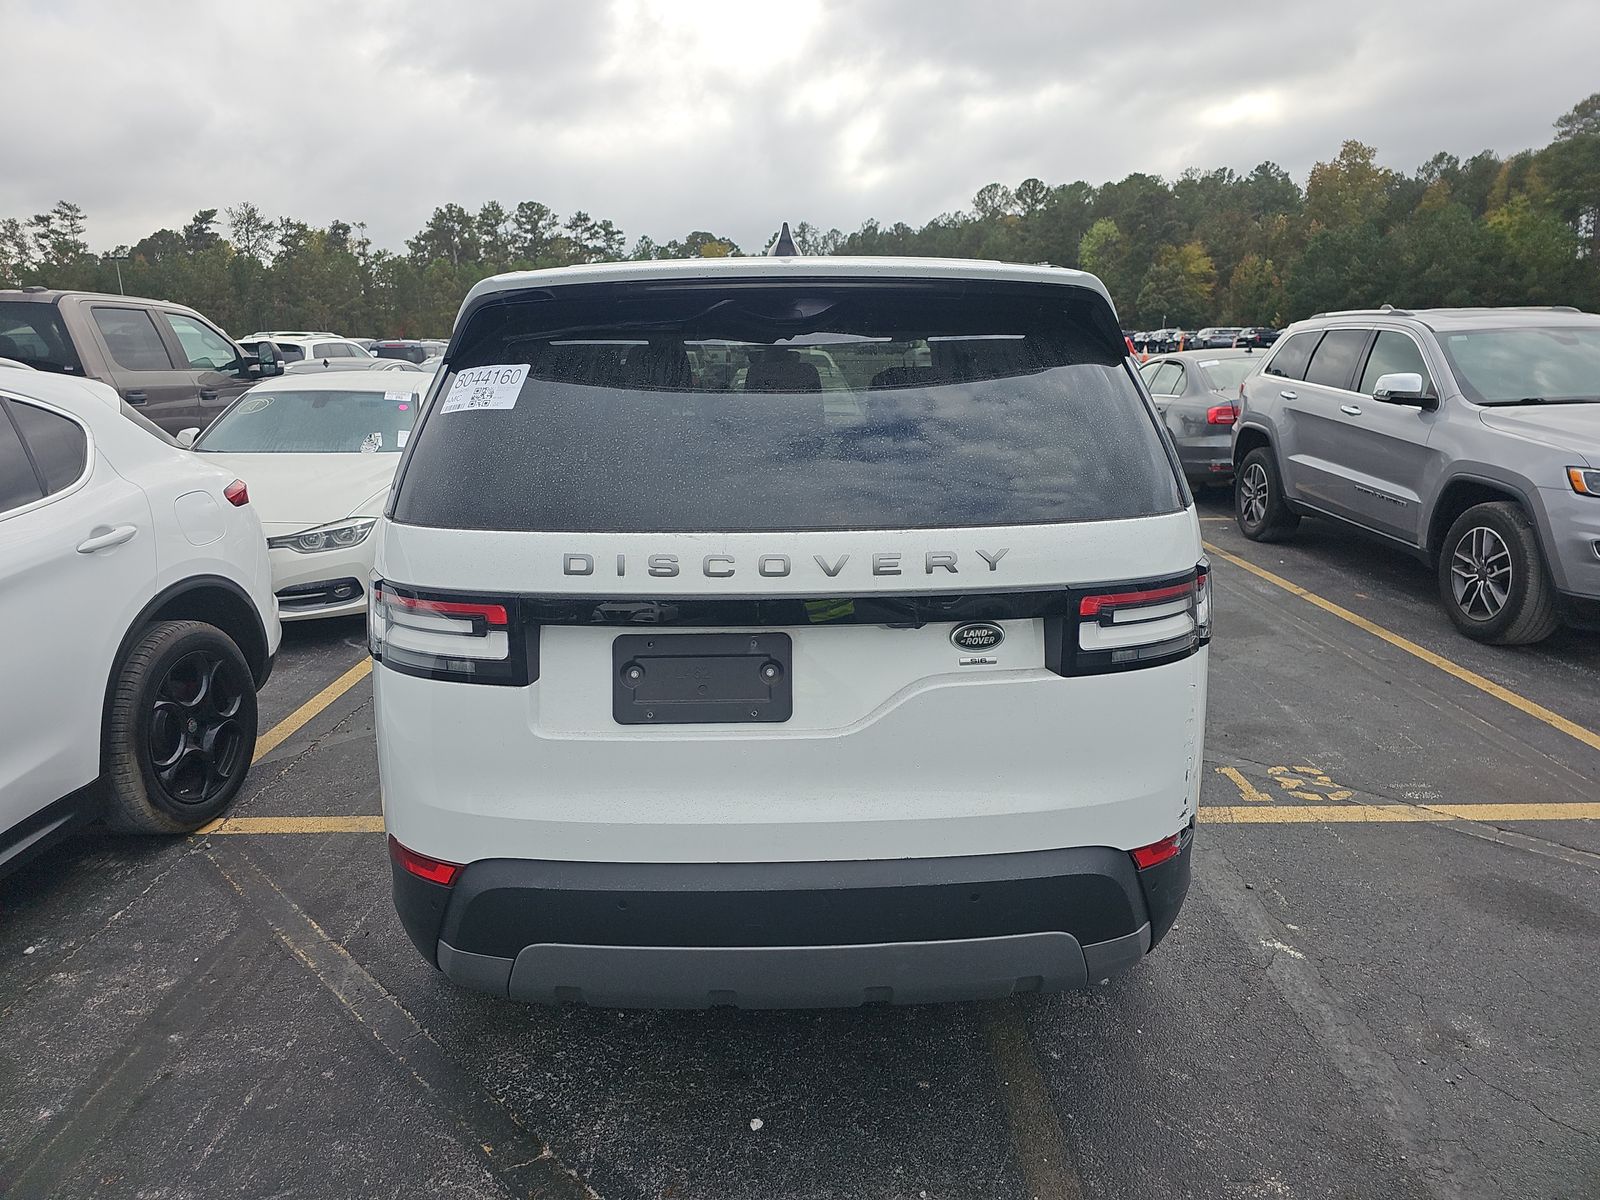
(802, 934)
(1207, 460)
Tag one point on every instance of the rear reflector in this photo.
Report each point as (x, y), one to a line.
(1144, 857)
(237, 494)
(436, 870)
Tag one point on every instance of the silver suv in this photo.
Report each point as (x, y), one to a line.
(1471, 436)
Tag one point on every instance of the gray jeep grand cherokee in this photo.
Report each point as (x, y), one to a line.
(1471, 436)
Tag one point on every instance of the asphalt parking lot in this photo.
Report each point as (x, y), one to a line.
(1383, 984)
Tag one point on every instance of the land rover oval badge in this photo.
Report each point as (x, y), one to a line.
(977, 635)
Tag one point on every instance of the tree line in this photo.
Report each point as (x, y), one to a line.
(1208, 247)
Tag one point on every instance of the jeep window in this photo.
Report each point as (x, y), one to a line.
(826, 405)
(1334, 362)
(206, 349)
(1391, 353)
(131, 337)
(34, 334)
(1293, 354)
(1506, 366)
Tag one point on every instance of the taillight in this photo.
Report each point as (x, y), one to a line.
(465, 639)
(1144, 857)
(434, 870)
(1140, 625)
(1221, 414)
(237, 494)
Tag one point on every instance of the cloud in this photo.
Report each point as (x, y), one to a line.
(731, 116)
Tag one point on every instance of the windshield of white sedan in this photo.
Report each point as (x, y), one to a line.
(1511, 366)
(805, 406)
(314, 422)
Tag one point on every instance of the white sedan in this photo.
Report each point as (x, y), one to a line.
(319, 453)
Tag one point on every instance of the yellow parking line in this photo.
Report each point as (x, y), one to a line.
(1313, 814)
(1210, 814)
(286, 728)
(295, 825)
(1519, 812)
(1488, 686)
(1358, 814)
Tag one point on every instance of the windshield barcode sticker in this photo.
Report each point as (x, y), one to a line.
(486, 387)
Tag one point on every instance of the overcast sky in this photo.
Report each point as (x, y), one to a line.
(731, 115)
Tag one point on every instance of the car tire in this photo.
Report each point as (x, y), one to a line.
(1259, 508)
(1492, 578)
(180, 729)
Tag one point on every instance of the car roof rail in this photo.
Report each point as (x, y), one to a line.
(1382, 310)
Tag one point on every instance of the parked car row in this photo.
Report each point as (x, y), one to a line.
(1167, 341)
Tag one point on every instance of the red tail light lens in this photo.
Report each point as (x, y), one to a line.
(1221, 414)
(237, 494)
(493, 615)
(434, 870)
(1105, 606)
(1145, 857)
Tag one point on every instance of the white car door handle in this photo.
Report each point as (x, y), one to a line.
(1290, 395)
(106, 538)
(1350, 410)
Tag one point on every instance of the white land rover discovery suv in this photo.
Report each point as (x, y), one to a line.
(788, 631)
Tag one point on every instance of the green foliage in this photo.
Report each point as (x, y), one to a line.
(1178, 287)
(1209, 247)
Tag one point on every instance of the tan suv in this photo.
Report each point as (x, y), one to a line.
(166, 360)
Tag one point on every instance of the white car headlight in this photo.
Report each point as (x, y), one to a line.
(339, 536)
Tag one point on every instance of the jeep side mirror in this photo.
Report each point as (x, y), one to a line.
(186, 437)
(1403, 387)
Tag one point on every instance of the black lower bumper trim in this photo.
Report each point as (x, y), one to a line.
(499, 907)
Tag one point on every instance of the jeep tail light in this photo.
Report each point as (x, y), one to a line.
(1140, 625)
(434, 870)
(1221, 414)
(464, 639)
(237, 494)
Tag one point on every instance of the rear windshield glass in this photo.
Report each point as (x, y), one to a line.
(315, 422)
(665, 407)
(410, 351)
(32, 333)
(1503, 366)
(1226, 374)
